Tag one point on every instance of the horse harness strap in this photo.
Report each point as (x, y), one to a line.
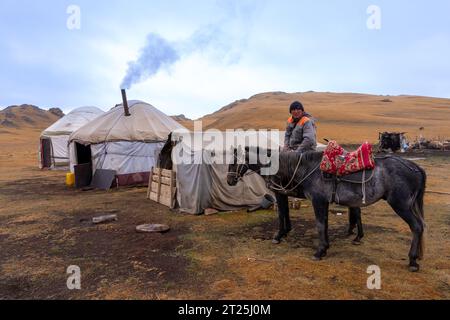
(335, 180)
(363, 178)
(279, 187)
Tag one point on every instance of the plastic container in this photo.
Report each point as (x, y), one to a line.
(70, 179)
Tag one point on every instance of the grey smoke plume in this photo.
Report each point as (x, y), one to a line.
(224, 41)
(156, 54)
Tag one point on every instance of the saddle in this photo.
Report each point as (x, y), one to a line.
(355, 167)
(339, 162)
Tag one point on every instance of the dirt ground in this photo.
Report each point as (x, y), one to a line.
(44, 228)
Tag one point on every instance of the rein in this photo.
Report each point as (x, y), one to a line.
(278, 187)
(275, 186)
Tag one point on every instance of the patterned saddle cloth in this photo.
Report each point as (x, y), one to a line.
(339, 162)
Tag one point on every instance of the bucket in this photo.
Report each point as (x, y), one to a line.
(70, 179)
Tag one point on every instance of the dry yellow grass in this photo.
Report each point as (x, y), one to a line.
(345, 117)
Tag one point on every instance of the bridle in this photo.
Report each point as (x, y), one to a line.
(274, 186)
(239, 168)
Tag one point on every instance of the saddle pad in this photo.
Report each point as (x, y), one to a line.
(337, 161)
(361, 159)
(330, 162)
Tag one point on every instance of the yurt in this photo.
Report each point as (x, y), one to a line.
(126, 140)
(53, 146)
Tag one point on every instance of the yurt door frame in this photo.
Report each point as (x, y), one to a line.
(46, 153)
(84, 153)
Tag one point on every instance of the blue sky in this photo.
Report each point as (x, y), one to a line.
(255, 46)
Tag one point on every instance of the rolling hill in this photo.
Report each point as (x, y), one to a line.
(186, 122)
(345, 117)
(27, 117)
(20, 128)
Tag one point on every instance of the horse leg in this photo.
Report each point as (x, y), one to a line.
(283, 216)
(352, 222)
(287, 221)
(417, 228)
(321, 213)
(356, 221)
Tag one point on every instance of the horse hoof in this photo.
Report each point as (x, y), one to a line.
(356, 242)
(275, 241)
(314, 258)
(414, 268)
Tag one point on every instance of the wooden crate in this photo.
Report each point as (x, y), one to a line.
(294, 204)
(162, 187)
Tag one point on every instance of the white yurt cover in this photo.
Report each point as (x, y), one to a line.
(59, 132)
(73, 121)
(145, 124)
(128, 145)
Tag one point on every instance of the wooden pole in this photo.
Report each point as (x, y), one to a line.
(149, 190)
(159, 185)
(438, 192)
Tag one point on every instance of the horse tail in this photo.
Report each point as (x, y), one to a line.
(418, 208)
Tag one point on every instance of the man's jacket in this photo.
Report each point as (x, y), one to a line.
(301, 135)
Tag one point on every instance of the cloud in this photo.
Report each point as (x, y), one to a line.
(222, 41)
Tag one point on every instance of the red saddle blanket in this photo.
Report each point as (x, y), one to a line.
(339, 162)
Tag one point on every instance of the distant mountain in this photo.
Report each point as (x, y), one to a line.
(57, 112)
(346, 117)
(186, 122)
(180, 117)
(28, 116)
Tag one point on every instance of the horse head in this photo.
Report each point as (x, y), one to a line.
(243, 162)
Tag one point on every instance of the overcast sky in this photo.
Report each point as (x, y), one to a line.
(226, 50)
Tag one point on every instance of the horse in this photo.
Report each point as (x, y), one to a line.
(398, 181)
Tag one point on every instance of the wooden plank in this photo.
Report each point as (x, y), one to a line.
(154, 196)
(171, 192)
(159, 186)
(164, 172)
(165, 190)
(438, 192)
(149, 190)
(162, 187)
(167, 173)
(164, 180)
(166, 201)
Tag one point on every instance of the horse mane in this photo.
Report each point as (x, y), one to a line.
(312, 156)
(289, 161)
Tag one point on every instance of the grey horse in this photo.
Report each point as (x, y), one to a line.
(398, 181)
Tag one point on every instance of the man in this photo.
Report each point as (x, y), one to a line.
(301, 131)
